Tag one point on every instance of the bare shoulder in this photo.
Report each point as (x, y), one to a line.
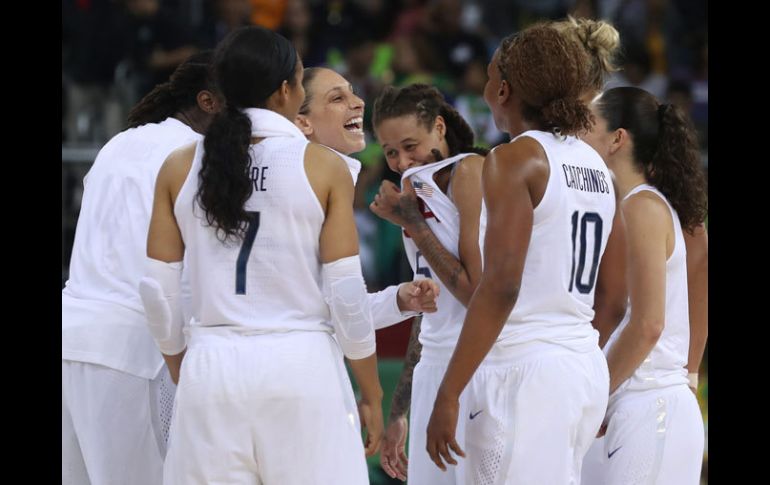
(474, 160)
(324, 160)
(327, 173)
(468, 167)
(523, 158)
(175, 169)
(521, 152)
(645, 208)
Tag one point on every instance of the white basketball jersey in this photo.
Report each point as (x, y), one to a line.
(353, 165)
(665, 365)
(270, 281)
(103, 318)
(570, 229)
(440, 330)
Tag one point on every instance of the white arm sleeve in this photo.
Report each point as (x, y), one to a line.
(345, 293)
(384, 305)
(161, 296)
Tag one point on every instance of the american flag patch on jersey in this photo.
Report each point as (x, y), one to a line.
(423, 189)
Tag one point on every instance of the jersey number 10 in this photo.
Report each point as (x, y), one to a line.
(576, 280)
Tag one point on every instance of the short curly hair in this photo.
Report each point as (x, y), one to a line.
(548, 71)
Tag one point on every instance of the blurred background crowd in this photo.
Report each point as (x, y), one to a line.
(115, 51)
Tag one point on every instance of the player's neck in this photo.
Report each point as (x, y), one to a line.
(627, 178)
(192, 119)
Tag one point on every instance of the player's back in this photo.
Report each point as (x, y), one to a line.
(571, 225)
(108, 254)
(665, 364)
(270, 280)
(103, 318)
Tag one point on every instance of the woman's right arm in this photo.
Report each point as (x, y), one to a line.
(338, 244)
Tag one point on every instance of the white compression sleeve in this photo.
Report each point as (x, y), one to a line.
(345, 293)
(161, 296)
(384, 305)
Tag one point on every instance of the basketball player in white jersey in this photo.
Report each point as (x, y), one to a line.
(117, 394)
(601, 41)
(332, 115)
(265, 219)
(541, 394)
(440, 213)
(654, 428)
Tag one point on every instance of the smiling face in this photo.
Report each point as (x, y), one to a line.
(334, 115)
(408, 143)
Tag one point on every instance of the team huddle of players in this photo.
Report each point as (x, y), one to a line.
(216, 290)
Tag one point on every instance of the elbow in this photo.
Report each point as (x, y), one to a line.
(610, 306)
(358, 350)
(651, 329)
(505, 291)
(465, 293)
(356, 336)
(500, 285)
(510, 293)
(618, 310)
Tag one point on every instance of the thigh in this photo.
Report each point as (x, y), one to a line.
(73, 468)
(210, 436)
(110, 414)
(594, 464)
(421, 469)
(309, 429)
(487, 422)
(657, 438)
(594, 407)
(683, 450)
(538, 424)
(162, 392)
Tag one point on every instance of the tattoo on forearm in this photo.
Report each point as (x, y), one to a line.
(447, 267)
(402, 396)
(409, 210)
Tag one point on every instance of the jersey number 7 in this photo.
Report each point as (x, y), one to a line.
(243, 254)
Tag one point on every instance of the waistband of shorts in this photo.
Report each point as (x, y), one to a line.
(501, 354)
(208, 335)
(625, 397)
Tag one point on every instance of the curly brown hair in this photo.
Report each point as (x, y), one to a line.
(426, 102)
(666, 148)
(602, 42)
(548, 71)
